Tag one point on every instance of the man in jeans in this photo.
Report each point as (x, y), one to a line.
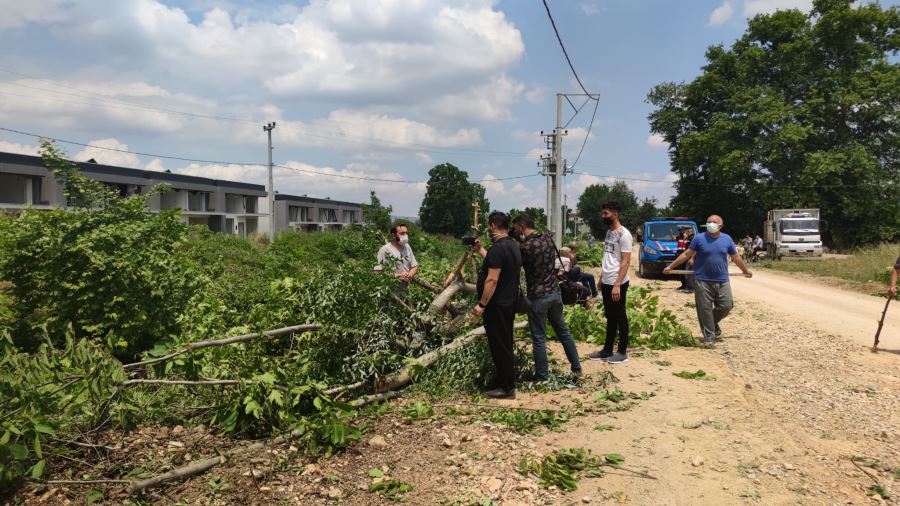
(614, 285)
(539, 260)
(712, 292)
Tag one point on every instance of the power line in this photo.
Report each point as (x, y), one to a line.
(716, 185)
(565, 53)
(219, 162)
(584, 143)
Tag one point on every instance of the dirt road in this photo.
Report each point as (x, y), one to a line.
(826, 308)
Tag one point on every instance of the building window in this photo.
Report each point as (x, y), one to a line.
(124, 190)
(298, 213)
(199, 202)
(349, 216)
(328, 215)
(14, 189)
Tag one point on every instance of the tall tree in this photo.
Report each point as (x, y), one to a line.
(536, 213)
(375, 214)
(801, 111)
(634, 212)
(447, 206)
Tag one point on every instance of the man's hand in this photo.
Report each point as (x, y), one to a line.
(616, 293)
(748, 274)
(476, 313)
(892, 291)
(667, 269)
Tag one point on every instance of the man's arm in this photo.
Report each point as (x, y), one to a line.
(624, 264)
(682, 258)
(490, 285)
(741, 265)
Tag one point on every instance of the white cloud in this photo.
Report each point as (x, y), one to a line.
(754, 7)
(86, 105)
(520, 134)
(536, 95)
(535, 154)
(488, 102)
(17, 14)
(371, 51)
(424, 158)
(21, 149)
(657, 141)
(589, 9)
(108, 156)
(721, 14)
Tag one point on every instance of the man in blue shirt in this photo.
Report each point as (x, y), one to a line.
(712, 292)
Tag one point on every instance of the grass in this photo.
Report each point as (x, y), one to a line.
(871, 264)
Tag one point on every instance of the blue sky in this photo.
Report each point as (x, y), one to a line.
(381, 89)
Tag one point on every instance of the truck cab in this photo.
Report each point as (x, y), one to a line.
(793, 233)
(659, 244)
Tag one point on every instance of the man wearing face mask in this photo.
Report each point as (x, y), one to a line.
(498, 289)
(712, 291)
(398, 254)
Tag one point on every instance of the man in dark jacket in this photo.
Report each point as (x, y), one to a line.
(539, 258)
(498, 288)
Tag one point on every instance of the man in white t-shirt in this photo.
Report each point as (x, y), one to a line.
(614, 285)
(398, 255)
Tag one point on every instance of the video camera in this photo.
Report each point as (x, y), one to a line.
(469, 240)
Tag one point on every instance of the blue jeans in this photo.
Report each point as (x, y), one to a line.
(543, 308)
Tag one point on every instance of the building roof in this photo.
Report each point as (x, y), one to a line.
(312, 200)
(96, 168)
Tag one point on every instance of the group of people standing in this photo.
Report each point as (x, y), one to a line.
(498, 289)
(516, 244)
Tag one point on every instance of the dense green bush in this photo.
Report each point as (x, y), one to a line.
(110, 273)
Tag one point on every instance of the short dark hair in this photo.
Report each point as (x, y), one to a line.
(524, 219)
(612, 205)
(499, 219)
(397, 225)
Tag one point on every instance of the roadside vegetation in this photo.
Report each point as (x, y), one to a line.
(113, 318)
(866, 266)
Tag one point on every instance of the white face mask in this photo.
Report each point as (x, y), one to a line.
(404, 239)
(712, 227)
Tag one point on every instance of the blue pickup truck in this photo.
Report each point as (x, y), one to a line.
(659, 245)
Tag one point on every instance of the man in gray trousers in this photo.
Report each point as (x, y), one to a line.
(712, 292)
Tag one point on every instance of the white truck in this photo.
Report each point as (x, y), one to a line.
(793, 233)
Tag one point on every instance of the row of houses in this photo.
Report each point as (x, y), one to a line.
(223, 206)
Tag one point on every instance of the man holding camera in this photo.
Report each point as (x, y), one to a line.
(498, 288)
(539, 258)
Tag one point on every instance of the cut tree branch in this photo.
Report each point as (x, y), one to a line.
(224, 342)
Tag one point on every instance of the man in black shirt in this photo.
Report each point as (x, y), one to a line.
(498, 288)
(539, 259)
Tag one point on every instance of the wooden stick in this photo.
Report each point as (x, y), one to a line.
(424, 283)
(369, 399)
(346, 388)
(454, 274)
(880, 325)
(130, 382)
(224, 342)
(403, 377)
(80, 482)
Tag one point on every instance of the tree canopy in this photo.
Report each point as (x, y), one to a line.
(634, 211)
(801, 111)
(536, 213)
(375, 214)
(447, 206)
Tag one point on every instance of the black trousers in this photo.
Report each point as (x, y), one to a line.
(498, 324)
(616, 318)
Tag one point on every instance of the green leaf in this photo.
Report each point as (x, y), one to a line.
(37, 470)
(614, 458)
(37, 446)
(375, 473)
(5, 438)
(19, 452)
(44, 429)
(93, 496)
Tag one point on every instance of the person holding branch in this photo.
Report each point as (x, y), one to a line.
(712, 291)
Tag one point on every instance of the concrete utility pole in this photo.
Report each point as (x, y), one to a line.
(268, 129)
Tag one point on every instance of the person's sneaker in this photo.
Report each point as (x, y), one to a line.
(718, 331)
(709, 342)
(599, 355)
(618, 358)
(500, 393)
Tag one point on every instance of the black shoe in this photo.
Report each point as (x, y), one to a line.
(599, 355)
(500, 393)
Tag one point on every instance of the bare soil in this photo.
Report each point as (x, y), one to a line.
(792, 394)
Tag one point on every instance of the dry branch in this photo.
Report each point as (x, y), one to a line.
(224, 342)
(424, 283)
(346, 388)
(403, 377)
